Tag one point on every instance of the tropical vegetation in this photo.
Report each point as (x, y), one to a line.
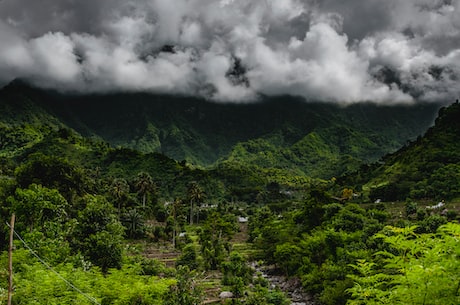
(102, 220)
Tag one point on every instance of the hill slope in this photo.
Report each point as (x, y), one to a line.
(314, 139)
(428, 167)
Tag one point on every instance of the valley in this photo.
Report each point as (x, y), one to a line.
(148, 199)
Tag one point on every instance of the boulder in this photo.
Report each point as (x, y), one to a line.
(226, 295)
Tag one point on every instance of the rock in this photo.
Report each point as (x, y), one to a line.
(226, 295)
(291, 286)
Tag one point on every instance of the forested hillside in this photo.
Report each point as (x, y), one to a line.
(427, 167)
(138, 227)
(348, 249)
(313, 139)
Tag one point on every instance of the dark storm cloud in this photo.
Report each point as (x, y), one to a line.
(34, 18)
(361, 18)
(234, 50)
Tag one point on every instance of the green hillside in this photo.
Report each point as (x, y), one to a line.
(348, 249)
(286, 133)
(138, 227)
(427, 167)
(22, 122)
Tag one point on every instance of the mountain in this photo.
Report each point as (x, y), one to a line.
(428, 167)
(286, 133)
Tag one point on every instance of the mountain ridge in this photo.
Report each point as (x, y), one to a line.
(425, 168)
(282, 132)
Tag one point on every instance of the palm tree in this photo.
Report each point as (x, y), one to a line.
(175, 209)
(196, 195)
(119, 190)
(134, 222)
(144, 185)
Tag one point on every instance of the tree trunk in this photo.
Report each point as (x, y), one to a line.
(143, 200)
(191, 212)
(174, 236)
(174, 225)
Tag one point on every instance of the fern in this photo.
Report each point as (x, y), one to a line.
(421, 269)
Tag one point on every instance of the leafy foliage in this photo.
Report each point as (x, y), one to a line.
(416, 269)
(38, 285)
(98, 235)
(425, 168)
(185, 291)
(77, 199)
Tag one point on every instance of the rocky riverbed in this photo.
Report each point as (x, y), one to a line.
(291, 286)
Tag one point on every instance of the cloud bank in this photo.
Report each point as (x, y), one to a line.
(388, 51)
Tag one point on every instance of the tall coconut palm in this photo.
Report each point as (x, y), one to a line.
(176, 205)
(119, 189)
(195, 195)
(144, 185)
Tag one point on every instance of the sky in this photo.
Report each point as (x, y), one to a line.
(346, 51)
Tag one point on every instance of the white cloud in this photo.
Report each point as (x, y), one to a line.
(319, 67)
(54, 58)
(329, 50)
(15, 58)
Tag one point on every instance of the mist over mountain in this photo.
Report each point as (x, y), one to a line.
(314, 139)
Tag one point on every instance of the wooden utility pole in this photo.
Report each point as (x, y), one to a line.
(10, 261)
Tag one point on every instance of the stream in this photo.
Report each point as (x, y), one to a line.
(291, 286)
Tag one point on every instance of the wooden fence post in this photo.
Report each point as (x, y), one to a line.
(10, 261)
